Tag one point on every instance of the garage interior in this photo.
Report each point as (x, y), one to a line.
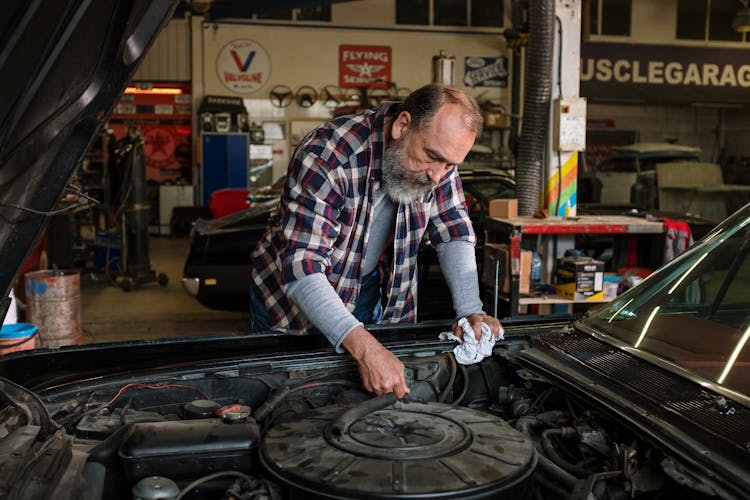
(130, 203)
(229, 87)
(152, 310)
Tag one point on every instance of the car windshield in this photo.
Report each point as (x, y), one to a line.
(618, 165)
(649, 164)
(693, 312)
(490, 188)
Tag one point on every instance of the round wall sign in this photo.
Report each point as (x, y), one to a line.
(243, 66)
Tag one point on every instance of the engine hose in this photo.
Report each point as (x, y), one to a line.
(556, 472)
(553, 488)
(536, 104)
(525, 425)
(275, 400)
(465, 388)
(272, 402)
(549, 450)
(341, 425)
(449, 386)
(106, 451)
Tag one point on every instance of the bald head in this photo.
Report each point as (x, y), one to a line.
(424, 103)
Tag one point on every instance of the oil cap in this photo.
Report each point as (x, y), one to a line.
(234, 414)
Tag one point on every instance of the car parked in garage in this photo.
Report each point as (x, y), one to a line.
(217, 267)
(645, 398)
(627, 177)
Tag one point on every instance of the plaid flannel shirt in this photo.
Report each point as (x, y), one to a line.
(321, 225)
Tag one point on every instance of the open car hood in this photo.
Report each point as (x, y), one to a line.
(64, 65)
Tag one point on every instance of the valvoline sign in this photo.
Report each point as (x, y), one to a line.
(243, 66)
(364, 66)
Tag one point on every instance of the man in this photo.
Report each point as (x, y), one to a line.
(360, 193)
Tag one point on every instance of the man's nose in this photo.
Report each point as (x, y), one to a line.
(436, 173)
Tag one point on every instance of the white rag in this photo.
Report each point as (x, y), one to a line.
(470, 350)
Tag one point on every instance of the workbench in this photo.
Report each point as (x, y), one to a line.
(629, 234)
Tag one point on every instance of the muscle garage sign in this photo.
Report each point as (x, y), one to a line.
(660, 73)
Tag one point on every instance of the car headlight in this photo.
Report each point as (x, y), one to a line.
(191, 285)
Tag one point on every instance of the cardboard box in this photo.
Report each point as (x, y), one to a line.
(497, 264)
(494, 119)
(579, 275)
(503, 208)
(568, 291)
(524, 286)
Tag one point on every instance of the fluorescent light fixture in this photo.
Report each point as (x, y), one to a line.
(154, 90)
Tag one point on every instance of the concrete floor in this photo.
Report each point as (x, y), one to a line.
(151, 311)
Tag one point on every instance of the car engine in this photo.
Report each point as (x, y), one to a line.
(302, 427)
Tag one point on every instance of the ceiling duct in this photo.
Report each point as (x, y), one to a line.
(536, 104)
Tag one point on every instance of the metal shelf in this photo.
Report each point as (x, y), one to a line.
(584, 224)
(556, 299)
(513, 231)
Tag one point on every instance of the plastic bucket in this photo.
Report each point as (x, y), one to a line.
(54, 306)
(17, 337)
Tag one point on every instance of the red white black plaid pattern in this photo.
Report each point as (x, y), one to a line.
(322, 222)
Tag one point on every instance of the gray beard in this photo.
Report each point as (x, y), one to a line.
(395, 177)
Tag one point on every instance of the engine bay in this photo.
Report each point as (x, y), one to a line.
(299, 427)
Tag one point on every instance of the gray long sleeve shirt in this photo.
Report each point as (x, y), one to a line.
(320, 303)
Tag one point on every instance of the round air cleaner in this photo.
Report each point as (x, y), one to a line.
(404, 450)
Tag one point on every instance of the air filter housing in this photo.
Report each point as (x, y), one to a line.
(406, 450)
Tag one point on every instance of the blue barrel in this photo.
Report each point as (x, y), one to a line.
(17, 337)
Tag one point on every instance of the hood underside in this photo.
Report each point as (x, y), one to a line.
(64, 65)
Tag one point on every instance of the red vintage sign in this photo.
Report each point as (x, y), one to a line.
(364, 66)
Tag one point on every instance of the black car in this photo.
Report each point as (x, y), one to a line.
(217, 267)
(627, 177)
(647, 397)
(217, 270)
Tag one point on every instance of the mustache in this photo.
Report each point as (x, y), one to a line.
(420, 180)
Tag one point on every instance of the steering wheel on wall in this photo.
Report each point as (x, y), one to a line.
(281, 96)
(306, 96)
(330, 96)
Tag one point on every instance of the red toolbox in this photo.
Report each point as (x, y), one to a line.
(228, 201)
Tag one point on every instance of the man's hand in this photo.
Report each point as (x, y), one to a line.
(381, 371)
(476, 320)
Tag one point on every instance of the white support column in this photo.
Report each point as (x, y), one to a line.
(567, 132)
(567, 112)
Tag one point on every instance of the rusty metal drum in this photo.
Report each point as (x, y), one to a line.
(54, 306)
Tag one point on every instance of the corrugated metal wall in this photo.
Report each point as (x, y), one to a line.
(168, 59)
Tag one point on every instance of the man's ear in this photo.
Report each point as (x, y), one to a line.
(400, 125)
